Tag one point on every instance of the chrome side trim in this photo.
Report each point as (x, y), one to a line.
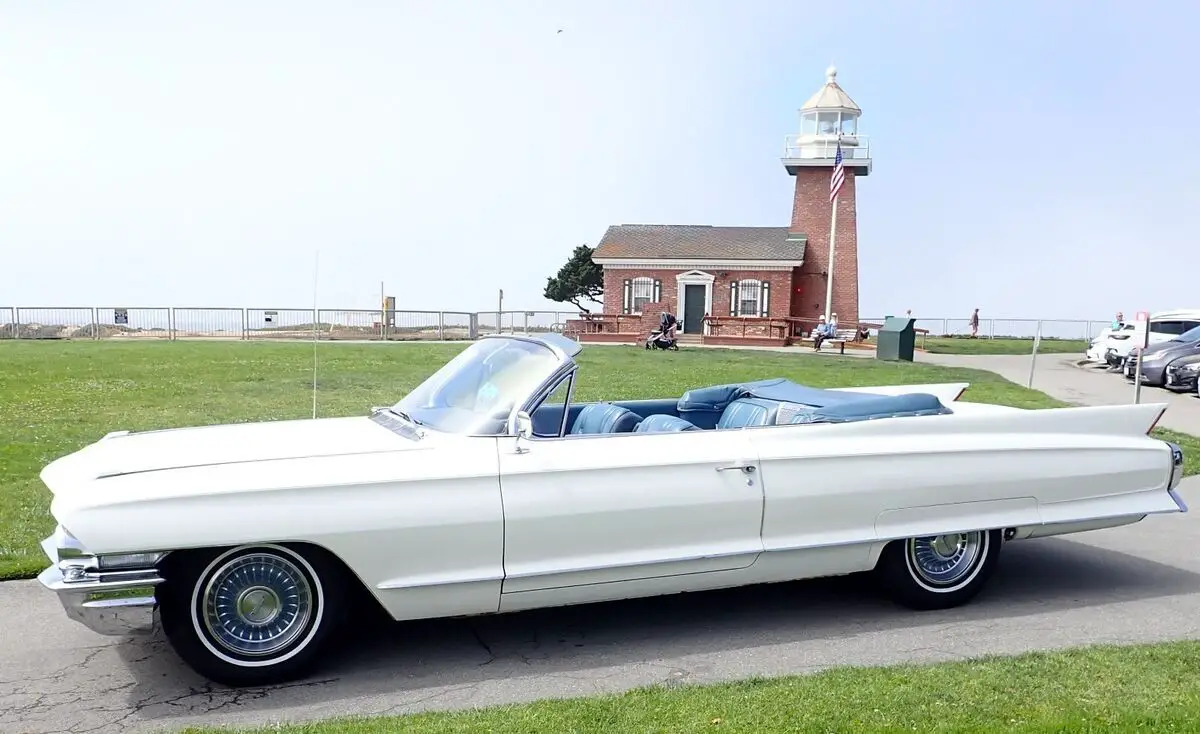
(1178, 500)
(1046, 530)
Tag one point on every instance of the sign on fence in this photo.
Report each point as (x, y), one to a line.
(120, 316)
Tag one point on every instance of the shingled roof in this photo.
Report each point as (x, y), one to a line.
(699, 242)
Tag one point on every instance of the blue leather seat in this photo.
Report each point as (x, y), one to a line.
(605, 418)
(877, 406)
(745, 412)
(702, 406)
(663, 423)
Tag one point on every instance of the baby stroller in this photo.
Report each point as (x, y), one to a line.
(659, 339)
(664, 336)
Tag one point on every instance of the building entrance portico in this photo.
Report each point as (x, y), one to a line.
(695, 299)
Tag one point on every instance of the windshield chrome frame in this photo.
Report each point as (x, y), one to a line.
(562, 348)
(565, 370)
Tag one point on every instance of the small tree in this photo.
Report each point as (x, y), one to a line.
(578, 280)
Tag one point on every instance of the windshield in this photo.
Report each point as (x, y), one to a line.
(1191, 335)
(475, 392)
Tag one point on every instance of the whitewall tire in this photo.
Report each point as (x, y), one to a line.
(940, 571)
(252, 615)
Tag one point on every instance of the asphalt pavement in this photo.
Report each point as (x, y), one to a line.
(1060, 377)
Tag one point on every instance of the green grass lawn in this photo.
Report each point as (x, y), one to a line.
(56, 397)
(1002, 345)
(1142, 688)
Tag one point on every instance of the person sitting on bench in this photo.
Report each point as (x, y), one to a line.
(821, 333)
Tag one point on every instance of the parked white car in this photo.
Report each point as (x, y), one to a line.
(487, 489)
(1163, 326)
(1098, 346)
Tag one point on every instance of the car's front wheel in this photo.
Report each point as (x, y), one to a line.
(251, 615)
(939, 571)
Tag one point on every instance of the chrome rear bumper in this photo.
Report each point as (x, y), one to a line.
(109, 602)
(1176, 475)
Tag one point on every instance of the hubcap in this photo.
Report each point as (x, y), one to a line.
(257, 604)
(943, 560)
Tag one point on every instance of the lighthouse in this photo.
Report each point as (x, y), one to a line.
(828, 120)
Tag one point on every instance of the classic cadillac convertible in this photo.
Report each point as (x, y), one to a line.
(488, 489)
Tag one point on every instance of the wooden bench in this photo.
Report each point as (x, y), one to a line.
(839, 340)
(842, 336)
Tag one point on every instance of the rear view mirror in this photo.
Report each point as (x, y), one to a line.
(524, 430)
(524, 424)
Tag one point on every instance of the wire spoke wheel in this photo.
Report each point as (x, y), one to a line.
(945, 560)
(256, 604)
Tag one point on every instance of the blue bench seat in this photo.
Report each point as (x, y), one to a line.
(662, 423)
(745, 412)
(604, 418)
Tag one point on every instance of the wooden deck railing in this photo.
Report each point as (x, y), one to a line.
(770, 329)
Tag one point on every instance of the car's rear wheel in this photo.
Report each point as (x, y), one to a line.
(939, 571)
(251, 615)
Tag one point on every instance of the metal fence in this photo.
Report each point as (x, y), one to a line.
(145, 323)
(1012, 328)
(150, 323)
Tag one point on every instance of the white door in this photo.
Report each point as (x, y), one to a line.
(822, 497)
(622, 507)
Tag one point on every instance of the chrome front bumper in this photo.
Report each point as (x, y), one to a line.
(109, 602)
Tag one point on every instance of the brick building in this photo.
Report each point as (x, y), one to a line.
(765, 284)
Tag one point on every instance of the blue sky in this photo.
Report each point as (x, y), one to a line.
(1031, 159)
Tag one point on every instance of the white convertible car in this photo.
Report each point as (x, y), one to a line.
(487, 489)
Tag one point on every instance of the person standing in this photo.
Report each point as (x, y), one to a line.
(667, 324)
(975, 324)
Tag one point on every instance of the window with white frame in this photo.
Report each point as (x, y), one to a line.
(748, 297)
(643, 293)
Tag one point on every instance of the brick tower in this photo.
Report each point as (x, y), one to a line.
(828, 115)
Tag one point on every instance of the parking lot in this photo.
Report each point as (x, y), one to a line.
(1060, 377)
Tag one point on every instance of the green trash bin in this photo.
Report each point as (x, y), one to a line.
(897, 339)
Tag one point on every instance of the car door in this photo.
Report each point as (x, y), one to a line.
(816, 502)
(605, 508)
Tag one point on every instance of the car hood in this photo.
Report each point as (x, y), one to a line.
(121, 453)
(1189, 359)
(1163, 349)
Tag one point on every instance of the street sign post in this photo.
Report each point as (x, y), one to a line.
(1143, 320)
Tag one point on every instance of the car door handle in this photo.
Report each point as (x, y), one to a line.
(748, 468)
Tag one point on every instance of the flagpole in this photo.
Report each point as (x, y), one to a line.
(832, 254)
(836, 187)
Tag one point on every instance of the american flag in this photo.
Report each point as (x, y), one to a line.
(839, 174)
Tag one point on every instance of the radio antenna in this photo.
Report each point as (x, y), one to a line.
(316, 270)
